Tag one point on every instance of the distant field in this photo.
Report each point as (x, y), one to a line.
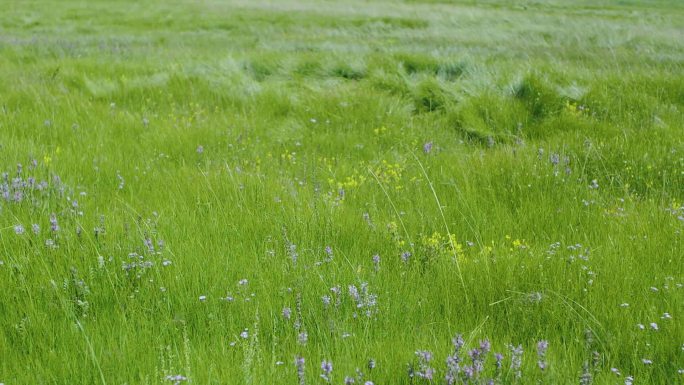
(255, 192)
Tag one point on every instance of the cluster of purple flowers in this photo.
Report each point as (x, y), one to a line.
(19, 188)
(458, 372)
(363, 299)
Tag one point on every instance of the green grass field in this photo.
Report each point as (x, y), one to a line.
(231, 192)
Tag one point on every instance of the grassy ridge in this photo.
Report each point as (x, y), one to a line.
(208, 142)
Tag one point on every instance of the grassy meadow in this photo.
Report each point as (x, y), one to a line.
(367, 192)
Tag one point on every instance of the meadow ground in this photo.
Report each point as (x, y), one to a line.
(231, 192)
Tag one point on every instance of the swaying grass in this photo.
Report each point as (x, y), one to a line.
(278, 192)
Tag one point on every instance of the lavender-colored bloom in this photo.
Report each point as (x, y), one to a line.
(654, 325)
(19, 229)
(542, 347)
(326, 300)
(469, 372)
(54, 226)
(200, 149)
(405, 256)
(478, 357)
(424, 358)
(629, 380)
(326, 367)
(245, 334)
(485, 346)
(348, 380)
(287, 313)
(368, 383)
(453, 368)
(453, 361)
(36, 228)
(376, 262)
(458, 342)
(615, 371)
(303, 338)
(427, 147)
(498, 357)
(646, 361)
(148, 243)
(424, 355)
(371, 364)
(354, 293)
(516, 359)
(292, 251)
(299, 363)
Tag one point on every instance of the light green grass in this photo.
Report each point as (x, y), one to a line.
(293, 101)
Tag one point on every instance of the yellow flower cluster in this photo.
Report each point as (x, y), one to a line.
(439, 245)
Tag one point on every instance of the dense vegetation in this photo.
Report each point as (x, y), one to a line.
(255, 192)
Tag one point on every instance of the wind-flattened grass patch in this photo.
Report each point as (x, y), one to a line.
(487, 117)
(261, 67)
(429, 95)
(531, 109)
(446, 69)
(347, 70)
(395, 22)
(390, 81)
(540, 98)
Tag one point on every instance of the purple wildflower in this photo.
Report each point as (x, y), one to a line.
(542, 347)
(329, 253)
(54, 226)
(299, 363)
(405, 256)
(303, 338)
(326, 367)
(376, 262)
(200, 149)
(19, 229)
(348, 380)
(427, 147)
(516, 359)
(499, 360)
(292, 251)
(35, 228)
(287, 313)
(485, 346)
(424, 358)
(354, 293)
